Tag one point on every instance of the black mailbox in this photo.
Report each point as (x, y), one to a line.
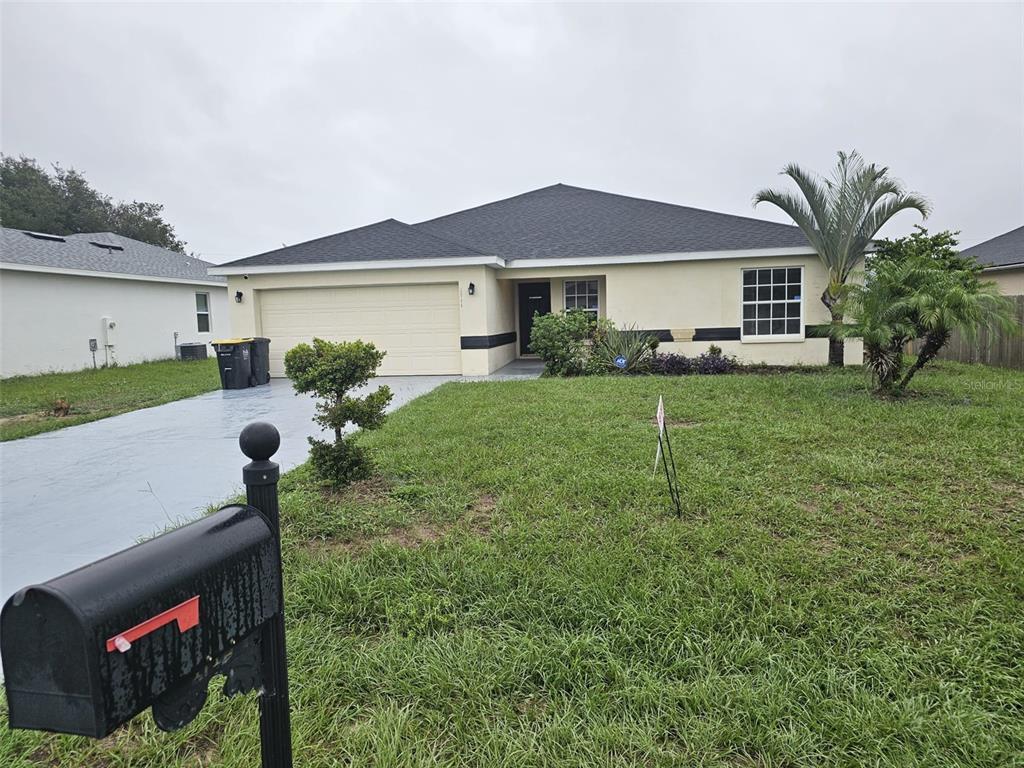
(146, 627)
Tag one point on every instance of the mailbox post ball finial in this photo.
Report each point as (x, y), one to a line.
(259, 440)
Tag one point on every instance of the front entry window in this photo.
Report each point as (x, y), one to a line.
(581, 294)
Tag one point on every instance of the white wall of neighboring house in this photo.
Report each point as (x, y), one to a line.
(47, 319)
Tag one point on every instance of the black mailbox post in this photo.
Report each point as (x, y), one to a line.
(148, 627)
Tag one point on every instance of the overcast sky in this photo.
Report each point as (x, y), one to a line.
(257, 125)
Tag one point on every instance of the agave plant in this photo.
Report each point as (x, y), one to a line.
(840, 215)
(623, 350)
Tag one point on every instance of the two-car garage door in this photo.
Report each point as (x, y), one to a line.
(418, 325)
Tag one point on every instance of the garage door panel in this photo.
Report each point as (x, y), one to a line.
(417, 325)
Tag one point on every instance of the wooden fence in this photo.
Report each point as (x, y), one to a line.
(1003, 350)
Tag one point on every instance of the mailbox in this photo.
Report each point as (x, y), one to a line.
(146, 627)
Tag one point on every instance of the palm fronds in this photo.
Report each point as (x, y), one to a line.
(916, 298)
(841, 214)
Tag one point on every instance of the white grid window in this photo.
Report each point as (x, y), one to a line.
(203, 312)
(581, 294)
(773, 301)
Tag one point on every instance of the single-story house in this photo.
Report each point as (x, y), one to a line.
(457, 294)
(69, 302)
(1002, 260)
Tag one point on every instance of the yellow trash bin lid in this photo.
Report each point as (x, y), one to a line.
(231, 341)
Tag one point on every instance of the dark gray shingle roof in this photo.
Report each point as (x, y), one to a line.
(388, 239)
(80, 252)
(1000, 251)
(563, 221)
(553, 222)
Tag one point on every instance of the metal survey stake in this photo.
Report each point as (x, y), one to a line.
(664, 453)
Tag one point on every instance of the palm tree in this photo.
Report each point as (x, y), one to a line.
(951, 304)
(840, 215)
(918, 298)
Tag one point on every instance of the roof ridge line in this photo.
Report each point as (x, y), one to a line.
(448, 240)
(686, 207)
(322, 237)
(990, 239)
(495, 202)
(607, 194)
(390, 219)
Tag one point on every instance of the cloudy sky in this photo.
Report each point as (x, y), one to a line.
(258, 125)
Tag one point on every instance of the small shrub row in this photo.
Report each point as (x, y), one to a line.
(574, 343)
(709, 363)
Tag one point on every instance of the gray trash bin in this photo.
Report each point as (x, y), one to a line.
(234, 362)
(259, 349)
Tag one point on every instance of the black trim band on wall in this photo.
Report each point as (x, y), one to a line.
(488, 342)
(661, 334)
(716, 334)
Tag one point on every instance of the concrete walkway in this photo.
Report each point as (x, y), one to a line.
(78, 494)
(523, 368)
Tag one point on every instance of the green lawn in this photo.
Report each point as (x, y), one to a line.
(27, 402)
(845, 586)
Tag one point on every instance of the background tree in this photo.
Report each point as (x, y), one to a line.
(331, 371)
(64, 203)
(144, 221)
(940, 247)
(840, 215)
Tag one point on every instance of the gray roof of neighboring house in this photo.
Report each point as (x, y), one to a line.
(124, 256)
(388, 239)
(1001, 251)
(563, 221)
(553, 222)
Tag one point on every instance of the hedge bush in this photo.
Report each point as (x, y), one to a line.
(709, 363)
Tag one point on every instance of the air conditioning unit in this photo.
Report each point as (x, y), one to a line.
(192, 350)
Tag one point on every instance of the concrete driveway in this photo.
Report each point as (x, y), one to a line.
(72, 496)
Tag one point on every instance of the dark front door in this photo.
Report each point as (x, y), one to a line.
(533, 298)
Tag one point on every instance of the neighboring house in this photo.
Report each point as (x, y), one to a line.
(457, 294)
(1003, 260)
(59, 293)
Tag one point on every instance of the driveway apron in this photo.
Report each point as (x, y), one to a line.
(78, 494)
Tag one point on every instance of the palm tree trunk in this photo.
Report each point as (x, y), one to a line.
(933, 343)
(835, 345)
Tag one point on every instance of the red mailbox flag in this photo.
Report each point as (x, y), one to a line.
(186, 614)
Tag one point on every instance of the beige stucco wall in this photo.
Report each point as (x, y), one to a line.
(1009, 281)
(679, 296)
(683, 295)
(484, 313)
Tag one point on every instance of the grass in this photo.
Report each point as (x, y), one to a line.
(27, 402)
(844, 586)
